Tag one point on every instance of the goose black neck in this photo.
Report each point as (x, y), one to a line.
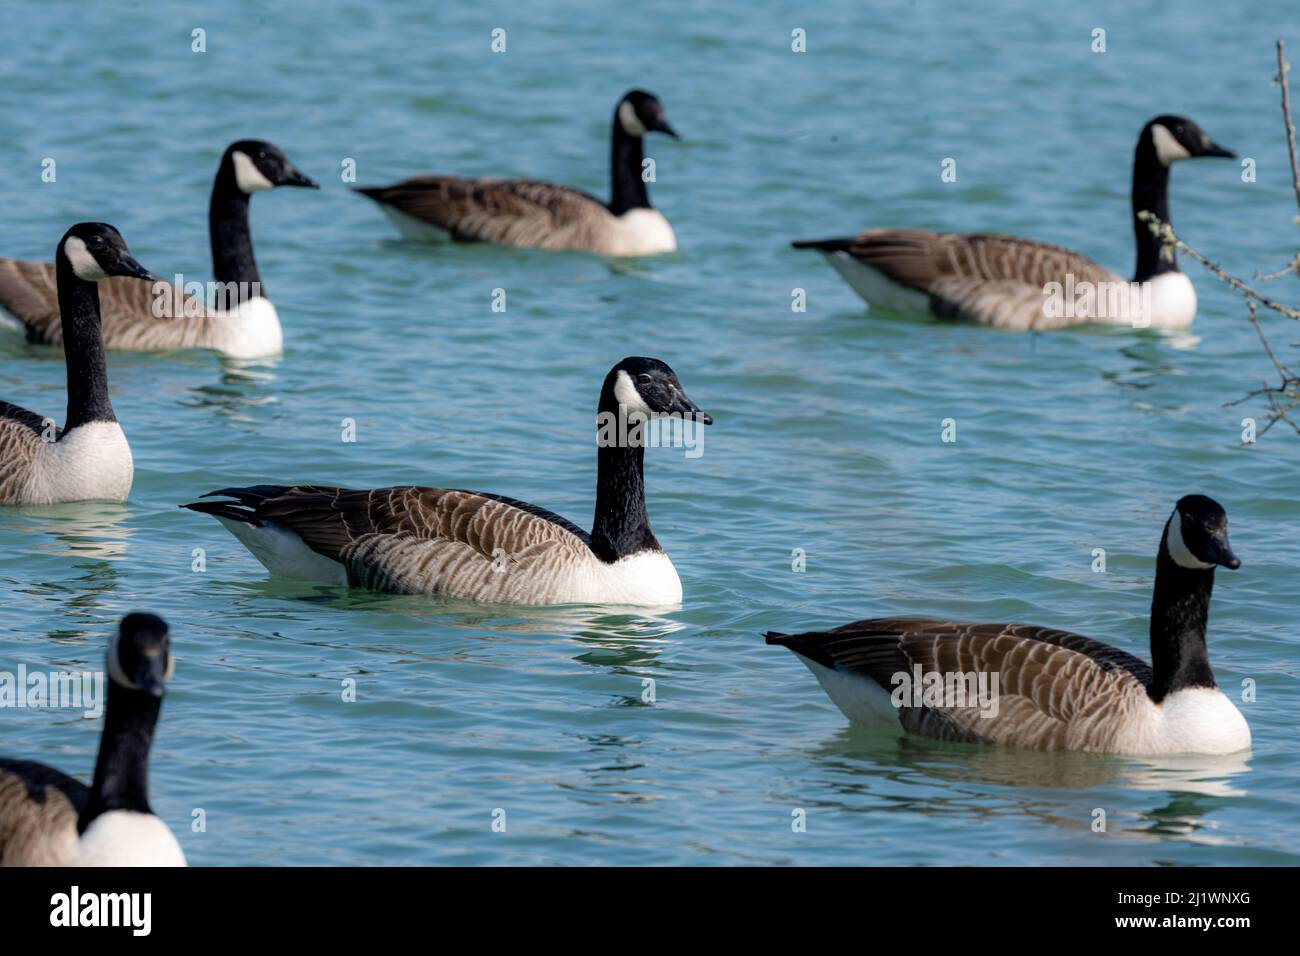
(1179, 609)
(621, 526)
(122, 770)
(1150, 194)
(232, 243)
(83, 348)
(626, 156)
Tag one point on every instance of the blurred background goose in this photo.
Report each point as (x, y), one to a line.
(1050, 689)
(476, 545)
(88, 459)
(150, 317)
(50, 819)
(544, 215)
(1003, 281)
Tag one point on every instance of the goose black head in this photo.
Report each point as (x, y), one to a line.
(1176, 137)
(96, 250)
(1196, 536)
(640, 112)
(649, 387)
(139, 656)
(259, 165)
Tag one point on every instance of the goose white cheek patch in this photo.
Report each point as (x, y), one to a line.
(628, 119)
(83, 263)
(248, 177)
(628, 396)
(1168, 149)
(1178, 549)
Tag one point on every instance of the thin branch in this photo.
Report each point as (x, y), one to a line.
(1166, 232)
(1282, 69)
(1294, 266)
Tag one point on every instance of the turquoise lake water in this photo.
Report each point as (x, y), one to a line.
(826, 434)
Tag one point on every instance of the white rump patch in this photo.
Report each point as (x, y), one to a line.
(83, 263)
(248, 177)
(1168, 149)
(1178, 549)
(875, 288)
(284, 553)
(412, 228)
(628, 119)
(859, 698)
(127, 838)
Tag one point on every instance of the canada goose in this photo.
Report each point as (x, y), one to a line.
(476, 545)
(88, 459)
(49, 819)
(1017, 284)
(1050, 689)
(544, 215)
(152, 317)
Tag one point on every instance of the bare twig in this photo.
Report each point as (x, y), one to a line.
(1166, 232)
(1293, 266)
(1282, 69)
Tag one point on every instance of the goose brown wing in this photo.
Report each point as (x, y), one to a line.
(39, 807)
(132, 315)
(981, 277)
(510, 212)
(425, 540)
(1053, 688)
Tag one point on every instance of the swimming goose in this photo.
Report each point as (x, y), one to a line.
(151, 317)
(1045, 689)
(475, 545)
(1017, 284)
(544, 215)
(88, 459)
(49, 819)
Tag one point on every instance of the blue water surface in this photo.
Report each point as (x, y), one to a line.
(827, 441)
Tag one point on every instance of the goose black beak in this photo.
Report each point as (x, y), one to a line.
(663, 126)
(1211, 148)
(152, 675)
(127, 266)
(1220, 552)
(295, 178)
(687, 409)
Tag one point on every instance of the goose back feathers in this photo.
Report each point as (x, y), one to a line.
(48, 818)
(1041, 688)
(1021, 285)
(475, 545)
(153, 315)
(540, 214)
